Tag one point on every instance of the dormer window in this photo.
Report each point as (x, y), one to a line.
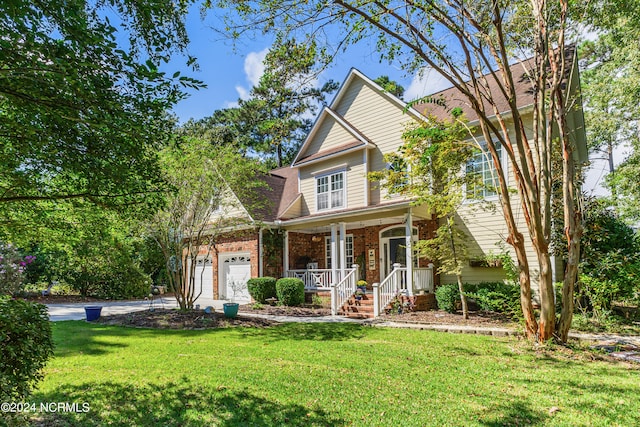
(330, 191)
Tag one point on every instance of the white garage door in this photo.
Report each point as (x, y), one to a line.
(236, 270)
(204, 275)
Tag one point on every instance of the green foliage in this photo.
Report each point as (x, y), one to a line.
(26, 345)
(390, 86)
(611, 91)
(498, 297)
(317, 300)
(12, 267)
(210, 185)
(290, 291)
(261, 288)
(82, 113)
(447, 296)
(275, 119)
(610, 260)
(435, 151)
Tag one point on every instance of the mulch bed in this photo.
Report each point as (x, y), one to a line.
(279, 310)
(434, 317)
(176, 319)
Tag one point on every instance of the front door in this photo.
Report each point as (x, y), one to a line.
(393, 250)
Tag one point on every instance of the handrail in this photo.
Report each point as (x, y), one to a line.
(342, 291)
(312, 279)
(390, 287)
(396, 283)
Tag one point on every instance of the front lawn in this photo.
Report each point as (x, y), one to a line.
(327, 375)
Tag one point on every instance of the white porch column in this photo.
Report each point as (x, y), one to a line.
(334, 255)
(285, 253)
(343, 249)
(409, 254)
(376, 299)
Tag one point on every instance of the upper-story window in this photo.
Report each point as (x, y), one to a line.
(482, 181)
(330, 191)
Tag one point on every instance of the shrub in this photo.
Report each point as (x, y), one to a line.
(498, 297)
(262, 288)
(290, 291)
(25, 334)
(446, 296)
(12, 266)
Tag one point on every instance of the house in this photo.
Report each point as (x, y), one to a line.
(330, 226)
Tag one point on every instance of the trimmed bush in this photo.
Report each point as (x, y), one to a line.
(498, 297)
(447, 295)
(290, 291)
(25, 347)
(262, 288)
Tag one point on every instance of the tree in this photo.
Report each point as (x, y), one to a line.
(432, 157)
(279, 108)
(209, 183)
(81, 114)
(611, 88)
(390, 86)
(95, 251)
(472, 46)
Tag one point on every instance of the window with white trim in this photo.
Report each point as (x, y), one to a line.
(330, 192)
(349, 250)
(482, 180)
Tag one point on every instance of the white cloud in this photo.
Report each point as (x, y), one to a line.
(425, 83)
(253, 70)
(254, 66)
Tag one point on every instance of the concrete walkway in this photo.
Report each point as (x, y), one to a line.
(75, 311)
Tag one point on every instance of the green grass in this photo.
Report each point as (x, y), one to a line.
(327, 375)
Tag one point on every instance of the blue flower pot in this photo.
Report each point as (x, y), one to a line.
(93, 312)
(230, 309)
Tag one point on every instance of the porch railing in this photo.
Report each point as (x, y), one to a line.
(313, 279)
(396, 283)
(343, 290)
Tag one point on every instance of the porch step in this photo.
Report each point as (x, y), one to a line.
(358, 309)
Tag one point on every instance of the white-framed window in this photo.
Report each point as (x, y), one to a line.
(482, 182)
(349, 250)
(330, 191)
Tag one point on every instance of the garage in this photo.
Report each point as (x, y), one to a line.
(234, 274)
(204, 273)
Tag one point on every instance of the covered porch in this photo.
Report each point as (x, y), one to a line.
(333, 254)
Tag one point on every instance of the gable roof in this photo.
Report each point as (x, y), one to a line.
(330, 112)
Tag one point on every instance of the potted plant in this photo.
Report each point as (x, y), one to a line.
(231, 308)
(362, 285)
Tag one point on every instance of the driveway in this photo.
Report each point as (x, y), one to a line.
(75, 311)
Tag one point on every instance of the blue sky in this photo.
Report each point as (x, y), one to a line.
(230, 72)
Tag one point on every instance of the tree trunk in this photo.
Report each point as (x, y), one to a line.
(547, 322)
(463, 298)
(524, 278)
